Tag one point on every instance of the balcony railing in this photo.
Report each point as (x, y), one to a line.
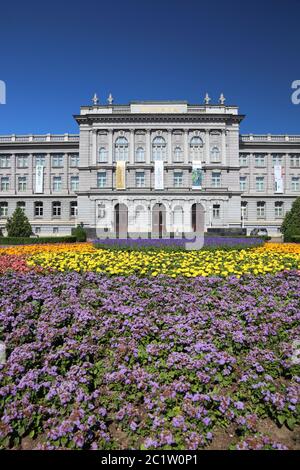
(269, 138)
(39, 138)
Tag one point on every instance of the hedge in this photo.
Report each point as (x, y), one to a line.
(35, 240)
(295, 239)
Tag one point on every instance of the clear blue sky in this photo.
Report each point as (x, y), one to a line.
(55, 55)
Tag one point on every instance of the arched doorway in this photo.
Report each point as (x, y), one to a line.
(121, 221)
(198, 218)
(159, 221)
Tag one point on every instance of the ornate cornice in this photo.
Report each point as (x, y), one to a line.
(161, 118)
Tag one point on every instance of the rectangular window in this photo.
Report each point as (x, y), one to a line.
(295, 183)
(57, 160)
(178, 154)
(277, 159)
(73, 209)
(40, 160)
(140, 179)
(5, 161)
(243, 159)
(74, 183)
(57, 183)
(22, 183)
(260, 159)
(74, 160)
(216, 179)
(295, 160)
(3, 209)
(22, 205)
(261, 209)
(101, 179)
(244, 210)
(279, 209)
(243, 183)
(102, 155)
(4, 183)
(56, 209)
(37, 230)
(22, 161)
(178, 179)
(38, 209)
(260, 183)
(216, 211)
(55, 229)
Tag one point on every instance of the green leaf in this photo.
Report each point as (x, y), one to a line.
(291, 423)
(281, 419)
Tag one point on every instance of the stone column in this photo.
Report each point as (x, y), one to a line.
(148, 146)
(110, 147)
(207, 159)
(223, 147)
(186, 147)
(94, 147)
(13, 182)
(170, 146)
(131, 147)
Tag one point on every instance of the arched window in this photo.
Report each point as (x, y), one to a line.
(158, 148)
(178, 155)
(196, 148)
(178, 218)
(215, 154)
(102, 158)
(121, 149)
(140, 155)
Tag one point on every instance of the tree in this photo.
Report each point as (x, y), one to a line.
(291, 224)
(18, 225)
(79, 233)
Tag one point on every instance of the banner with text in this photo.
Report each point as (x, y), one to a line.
(39, 179)
(120, 175)
(278, 177)
(159, 175)
(197, 175)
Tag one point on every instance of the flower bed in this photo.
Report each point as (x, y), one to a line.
(128, 362)
(174, 244)
(171, 263)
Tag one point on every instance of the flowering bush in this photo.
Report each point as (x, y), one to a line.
(129, 362)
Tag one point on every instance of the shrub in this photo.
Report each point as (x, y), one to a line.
(33, 240)
(79, 233)
(291, 224)
(296, 239)
(18, 225)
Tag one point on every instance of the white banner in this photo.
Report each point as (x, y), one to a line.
(197, 175)
(278, 179)
(159, 174)
(39, 179)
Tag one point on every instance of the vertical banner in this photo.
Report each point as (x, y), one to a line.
(278, 179)
(120, 175)
(159, 174)
(39, 179)
(197, 175)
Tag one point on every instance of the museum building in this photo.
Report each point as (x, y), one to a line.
(151, 169)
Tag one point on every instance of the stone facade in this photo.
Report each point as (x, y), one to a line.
(79, 177)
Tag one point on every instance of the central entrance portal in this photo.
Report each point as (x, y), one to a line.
(121, 220)
(159, 221)
(198, 218)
